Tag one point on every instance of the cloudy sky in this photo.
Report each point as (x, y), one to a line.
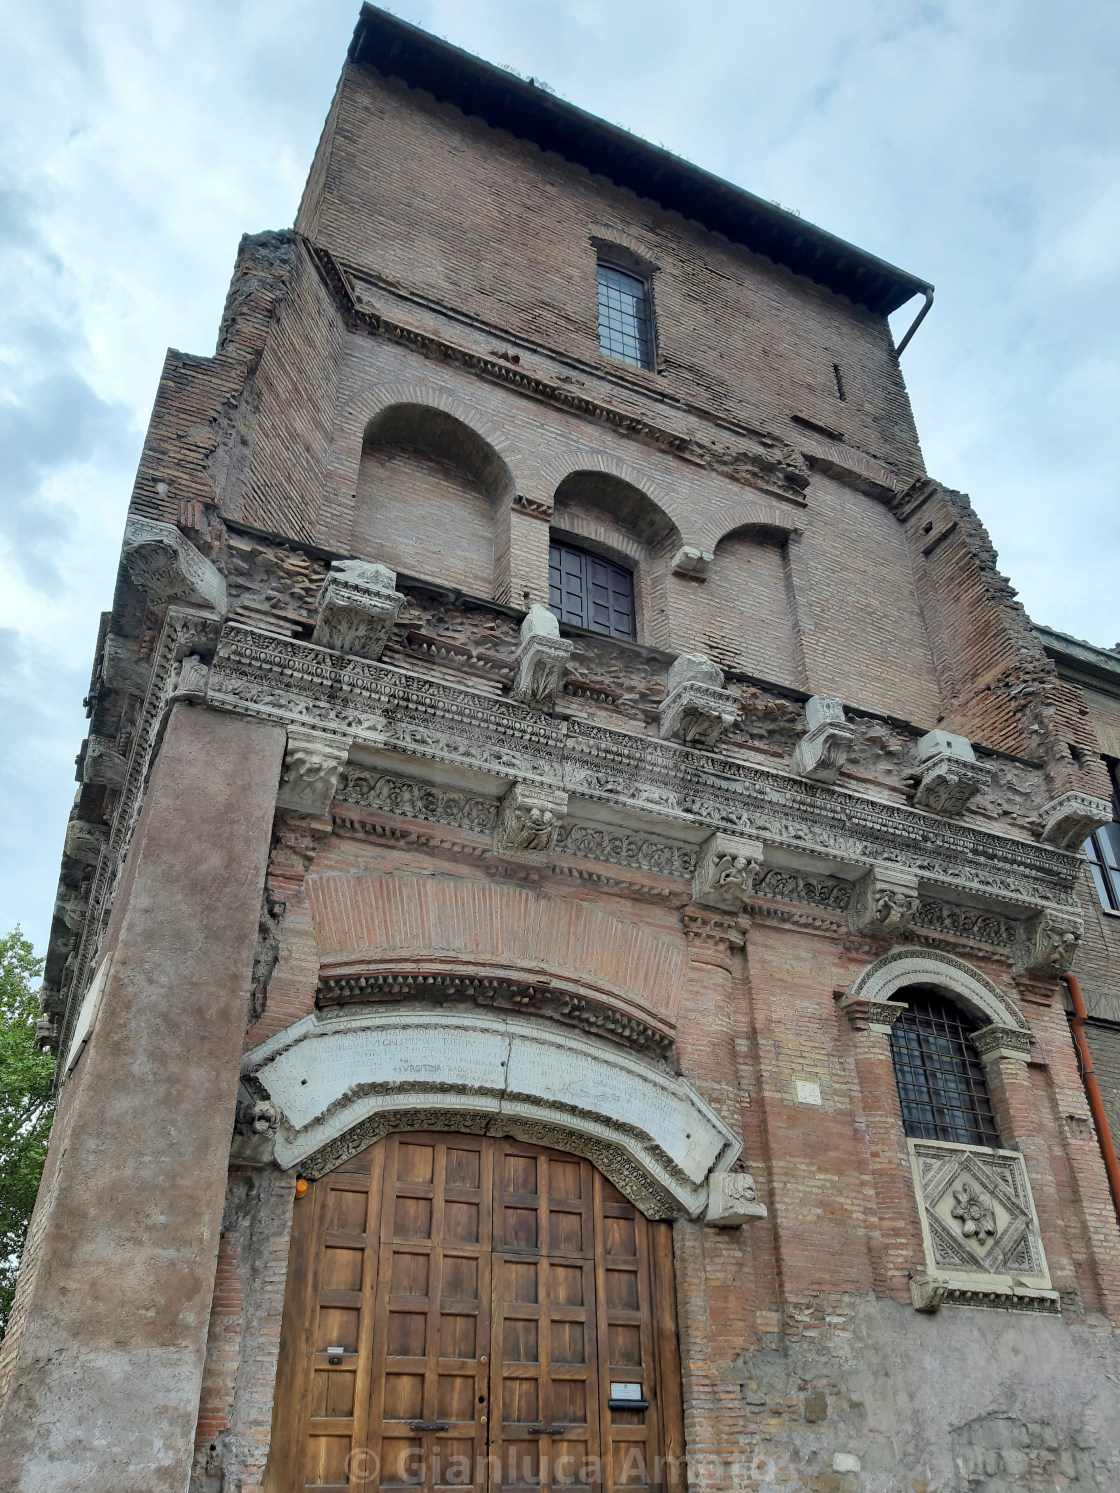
(976, 144)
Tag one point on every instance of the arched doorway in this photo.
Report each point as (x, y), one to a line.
(474, 1312)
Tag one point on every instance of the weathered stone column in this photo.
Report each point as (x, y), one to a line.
(103, 1362)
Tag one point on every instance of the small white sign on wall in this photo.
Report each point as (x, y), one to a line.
(808, 1093)
(87, 1015)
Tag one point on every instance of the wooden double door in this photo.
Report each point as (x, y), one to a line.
(469, 1312)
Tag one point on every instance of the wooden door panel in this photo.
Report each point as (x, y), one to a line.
(457, 1310)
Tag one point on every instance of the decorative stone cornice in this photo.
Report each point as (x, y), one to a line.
(168, 568)
(1069, 820)
(823, 750)
(357, 608)
(883, 902)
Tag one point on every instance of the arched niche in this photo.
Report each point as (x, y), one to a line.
(742, 615)
(609, 515)
(342, 1079)
(952, 977)
(431, 497)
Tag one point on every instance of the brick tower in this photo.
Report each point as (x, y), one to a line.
(557, 968)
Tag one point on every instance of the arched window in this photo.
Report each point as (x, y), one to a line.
(940, 1077)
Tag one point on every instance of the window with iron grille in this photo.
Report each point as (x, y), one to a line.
(940, 1077)
(1103, 852)
(590, 592)
(625, 316)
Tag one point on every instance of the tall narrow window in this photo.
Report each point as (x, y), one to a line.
(941, 1083)
(625, 317)
(1103, 851)
(590, 592)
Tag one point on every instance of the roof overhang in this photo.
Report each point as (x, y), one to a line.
(508, 102)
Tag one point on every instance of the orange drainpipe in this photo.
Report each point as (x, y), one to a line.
(1092, 1090)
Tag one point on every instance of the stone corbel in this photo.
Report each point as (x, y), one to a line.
(866, 1015)
(883, 902)
(101, 764)
(697, 709)
(85, 841)
(167, 567)
(732, 1200)
(692, 562)
(823, 750)
(949, 776)
(1046, 944)
(312, 763)
(541, 659)
(529, 819)
(357, 608)
(1069, 820)
(726, 871)
(121, 669)
(997, 1041)
(191, 683)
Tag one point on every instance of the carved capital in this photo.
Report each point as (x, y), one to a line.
(358, 605)
(692, 562)
(1069, 820)
(1046, 944)
(529, 817)
(541, 659)
(866, 1015)
(167, 567)
(191, 683)
(697, 709)
(312, 763)
(823, 750)
(998, 1041)
(732, 1200)
(726, 871)
(948, 784)
(883, 902)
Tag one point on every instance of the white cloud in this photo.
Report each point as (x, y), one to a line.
(974, 144)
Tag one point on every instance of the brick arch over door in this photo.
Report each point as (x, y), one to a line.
(432, 494)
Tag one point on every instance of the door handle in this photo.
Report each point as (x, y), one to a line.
(428, 1425)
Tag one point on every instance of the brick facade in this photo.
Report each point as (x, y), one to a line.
(412, 378)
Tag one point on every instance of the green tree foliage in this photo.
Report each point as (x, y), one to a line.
(26, 1105)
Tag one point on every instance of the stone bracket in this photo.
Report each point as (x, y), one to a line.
(1069, 820)
(883, 902)
(692, 562)
(541, 659)
(726, 872)
(167, 567)
(312, 763)
(732, 1200)
(357, 608)
(823, 750)
(697, 709)
(529, 818)
(1047, 943)
(949, 776)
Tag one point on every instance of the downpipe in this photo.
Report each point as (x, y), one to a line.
(1092, 1089)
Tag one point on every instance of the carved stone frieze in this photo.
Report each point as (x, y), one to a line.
(883, 902)
(357, 608)
(1068, 821)
(1046, 944)
(949, 776)
(781, 884)
(697, 710)
(168, 568)
(732, 1200)
(979, 1227)
(528, 819)
(541, 659)
(622, 848)
(283, 679)
(312, 763)
(409, 799)
(952, 921)
(726, 871)
(823, 750)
